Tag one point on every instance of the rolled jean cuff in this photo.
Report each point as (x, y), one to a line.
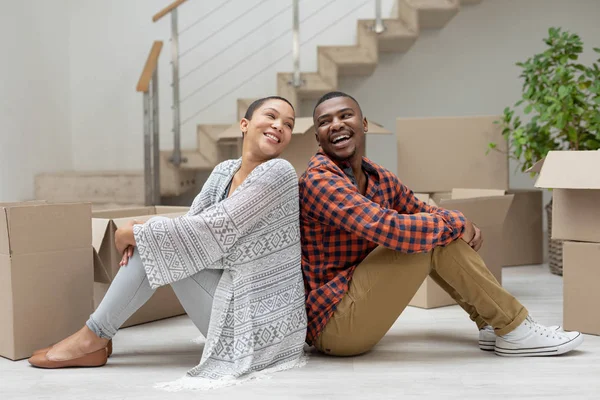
(98, 330)
(521, 316)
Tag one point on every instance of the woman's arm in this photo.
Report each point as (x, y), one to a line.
(188, 244)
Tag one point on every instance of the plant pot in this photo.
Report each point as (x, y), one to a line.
(555, 247)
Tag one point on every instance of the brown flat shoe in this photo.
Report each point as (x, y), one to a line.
(96, 359)
(109, 349)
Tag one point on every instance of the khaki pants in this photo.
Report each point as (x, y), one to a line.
(385, 282)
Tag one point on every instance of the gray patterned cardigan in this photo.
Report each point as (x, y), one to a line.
(258, 318)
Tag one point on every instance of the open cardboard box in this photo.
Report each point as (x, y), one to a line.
(164, 303)
(523, 235)
(46, 274)
(488, 213)
(574, 178)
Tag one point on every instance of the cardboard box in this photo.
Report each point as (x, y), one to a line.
(46, 274)
(439, 154)
(574, 178)
(488, 213)
(300, 150)
(581, 276)
(164, 303)
(523, 230)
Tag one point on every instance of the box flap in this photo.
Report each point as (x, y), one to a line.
(482, 211)
(377, 128)
(98, 231)
(570, 170)
(170, 209)
(4, 239)
(460, 193)
(537, 167)
(120, 222)
(100, 272)
(123, 212)
(49, 227)
(303, 125)
(424, 197)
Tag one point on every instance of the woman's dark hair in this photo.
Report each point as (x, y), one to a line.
(257, 103)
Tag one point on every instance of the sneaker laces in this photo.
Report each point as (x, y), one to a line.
(543, 330)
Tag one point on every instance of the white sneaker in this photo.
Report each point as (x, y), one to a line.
(487, 337)
(531, 339)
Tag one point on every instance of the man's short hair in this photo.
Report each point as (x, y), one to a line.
(333, 95)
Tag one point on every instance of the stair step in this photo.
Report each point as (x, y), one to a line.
(327, 68)
(99, 187)
(207, 136)
(242, 106)
(314, 85)
(351, 60)
(431, 14)
(397, 37)
(195, 160)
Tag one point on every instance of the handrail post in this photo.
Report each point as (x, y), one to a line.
(148, 186)
(155, 140)
(176, 158)
(296, 78)
(379, 27)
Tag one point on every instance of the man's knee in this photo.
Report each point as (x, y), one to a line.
(344, 347)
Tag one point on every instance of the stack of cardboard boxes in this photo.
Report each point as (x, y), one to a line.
(446, 163)
(574, 178)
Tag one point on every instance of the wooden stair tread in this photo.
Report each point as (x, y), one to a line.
(212, 130)
(195, 160)
(351, 55)
(434, 4)
(394, 28)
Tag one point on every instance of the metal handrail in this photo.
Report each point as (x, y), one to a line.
(254, 52)
(231, 44)
(238, 85)
(202, 18)
(296, 79)
(237, 17)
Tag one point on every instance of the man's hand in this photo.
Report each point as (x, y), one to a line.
(124, 237)
(472, 235)
(477, 240)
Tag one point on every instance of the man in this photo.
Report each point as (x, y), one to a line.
(368, 243)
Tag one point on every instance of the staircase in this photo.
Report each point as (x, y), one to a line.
(358, 60)
(218, 142)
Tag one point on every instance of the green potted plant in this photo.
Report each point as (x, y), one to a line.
(561, 104)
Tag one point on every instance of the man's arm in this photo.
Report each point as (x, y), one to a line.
(406, 202)
(332, 200)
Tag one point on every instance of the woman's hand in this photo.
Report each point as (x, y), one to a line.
(126, 256)
(124, 237)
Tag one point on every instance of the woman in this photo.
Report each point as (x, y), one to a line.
(233, 262)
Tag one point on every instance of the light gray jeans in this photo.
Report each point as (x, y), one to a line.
(130, 290)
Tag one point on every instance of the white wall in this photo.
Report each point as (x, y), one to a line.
(243, 44)
(34, 98)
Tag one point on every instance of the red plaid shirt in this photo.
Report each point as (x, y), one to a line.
(340, 227)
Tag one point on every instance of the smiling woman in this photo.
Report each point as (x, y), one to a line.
(210, 260)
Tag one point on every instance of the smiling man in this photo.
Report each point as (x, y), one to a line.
(368, 243)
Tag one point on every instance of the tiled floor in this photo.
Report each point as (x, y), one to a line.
(428, 354)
